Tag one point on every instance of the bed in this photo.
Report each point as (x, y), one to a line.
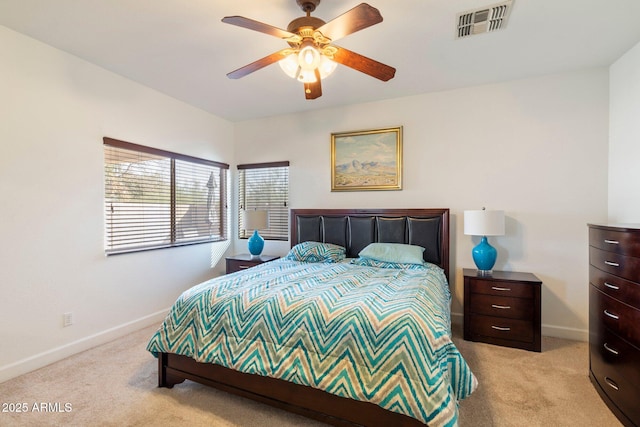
(349, 370)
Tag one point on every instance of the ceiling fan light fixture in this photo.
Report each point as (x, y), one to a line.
(307, 76)
(308, 57)
(292, 67)
(327, 67)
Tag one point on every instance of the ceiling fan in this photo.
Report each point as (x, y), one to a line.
(311, 55)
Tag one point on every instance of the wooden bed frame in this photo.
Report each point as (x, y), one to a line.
(425, 227)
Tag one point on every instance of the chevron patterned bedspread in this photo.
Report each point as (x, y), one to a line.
(380, 335)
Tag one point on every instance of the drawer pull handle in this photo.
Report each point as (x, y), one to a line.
(613, 316)
(610, 286)
(611, 383)
(503, 307)
(242, 267)
(500, 328)
(611, 242)
(496, 288)
(610, 350)
(612, 264)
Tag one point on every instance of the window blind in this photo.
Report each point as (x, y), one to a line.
(265, 186)
(156, 198)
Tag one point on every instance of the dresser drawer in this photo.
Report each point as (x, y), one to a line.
(616, 287)
(621, 242)
(504, 289)
(498, 306)
(609, 349)
(620, 318)
(616, 374)
(616, 264)
(501, 327)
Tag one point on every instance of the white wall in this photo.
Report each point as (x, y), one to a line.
(624, 138)
(55, 110)
(535, 148)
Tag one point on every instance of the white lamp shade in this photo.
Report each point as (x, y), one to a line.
(484, 223)
(254, 220)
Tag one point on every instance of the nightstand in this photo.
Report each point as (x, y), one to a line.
(503, 309)
(244, 261)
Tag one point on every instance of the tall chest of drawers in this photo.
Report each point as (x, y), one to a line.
(614, 318)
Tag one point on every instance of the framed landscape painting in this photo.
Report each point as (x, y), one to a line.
(367, 160)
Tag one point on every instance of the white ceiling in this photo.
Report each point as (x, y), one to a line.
(181, 48)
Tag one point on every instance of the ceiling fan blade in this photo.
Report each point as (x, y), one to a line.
(313, 90)
(261, 27)
(363, 64)
(260, 63)
(356, 19)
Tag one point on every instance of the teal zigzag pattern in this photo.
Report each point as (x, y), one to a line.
(372, 334)
(316, 252)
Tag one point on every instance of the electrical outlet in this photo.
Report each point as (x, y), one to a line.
(67, 319)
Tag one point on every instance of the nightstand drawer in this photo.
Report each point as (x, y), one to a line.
(235, 265)
(500, 327)
(245, 261)
(498, 288)
(491, 305)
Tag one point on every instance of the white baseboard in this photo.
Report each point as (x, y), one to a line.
(45, 358)
(566, 333)
(547, 330)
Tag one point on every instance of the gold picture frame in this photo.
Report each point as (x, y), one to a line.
(367, 160)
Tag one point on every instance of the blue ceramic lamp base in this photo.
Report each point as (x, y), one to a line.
(484, 255)
(256, 244)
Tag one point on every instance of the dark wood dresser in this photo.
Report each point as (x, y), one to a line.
(503, 309)
(614, 318)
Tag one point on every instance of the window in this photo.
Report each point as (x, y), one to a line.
(157, 199)
(265, 186)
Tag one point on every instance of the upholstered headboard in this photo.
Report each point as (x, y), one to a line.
(356, 228)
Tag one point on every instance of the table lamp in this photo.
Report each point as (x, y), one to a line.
(255, 220)
(484, 223)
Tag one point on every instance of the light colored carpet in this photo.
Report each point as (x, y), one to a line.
(116, 385)
(522, 388)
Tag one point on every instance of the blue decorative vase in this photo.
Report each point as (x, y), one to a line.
(484, 255)
(256, 243)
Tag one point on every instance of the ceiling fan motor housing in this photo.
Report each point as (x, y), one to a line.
(308, 6)
(305, 21)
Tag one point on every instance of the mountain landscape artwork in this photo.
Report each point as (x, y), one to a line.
(367, 160)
